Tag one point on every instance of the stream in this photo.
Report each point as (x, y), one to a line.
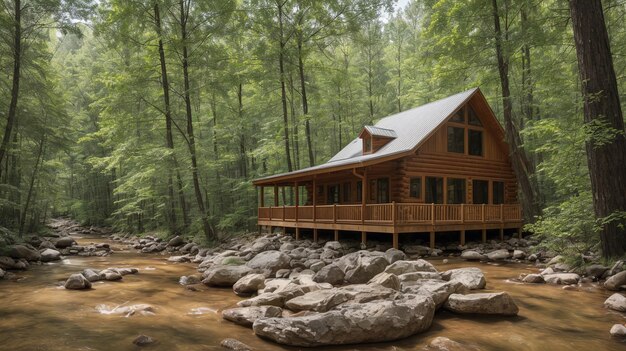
(37, 313)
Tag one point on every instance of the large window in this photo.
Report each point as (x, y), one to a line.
(473, 117)
(333, 194)
(382, 190)
(475, 142)
(459, 116)
(456, 191)
(480, 191)
(456, 139)
(498, 193)
(415, 187)
(434, 190)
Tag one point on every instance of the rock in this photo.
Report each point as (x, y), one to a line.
(179, 259)
(388, 280)
(362, 293)
(249, 284)
(77, 282)
(46, 244)
(318, 301)
(562, 278)
(472, 255)
(247, 315)
(1, 273)
(283, 273)
(615, 282)
(618, 330)
(393, 255)
(268, 299)
(128, 311)
(415, 276)
(352, 323)
(444, 344)
(616, 302)
(190, 279)
(497, 255)
(402, 267)
(555, 260)
(562, 267)
(534, 279)
(366, 268)
(22, 251)
(270, 262)
(91, 275)
(7, 262)
(110, 275)
(439, 290)
(333, 245)
(225, 275)
(48, 255)
(143, 340)
(64, 242)
(595, 270)
(175, 241)
(417, 250)
(484, 303)
(235, 345)
(471, 277)
(519, 254)
(331, 274)
(317, 266)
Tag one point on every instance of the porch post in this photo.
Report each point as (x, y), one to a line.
(363, 196)
(395, 239)
(314, 199)
(262, 201)
(462, 237)
(336, 235)
(484, 235)
(315, 235)
(432, 239)
(501, 233)
(297, 200)
(275, 195)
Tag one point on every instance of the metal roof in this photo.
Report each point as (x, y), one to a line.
(381, 132)
(411, 128)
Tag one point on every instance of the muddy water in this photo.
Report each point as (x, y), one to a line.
(36, 313)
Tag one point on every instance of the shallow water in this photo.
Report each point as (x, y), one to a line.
(37, 313)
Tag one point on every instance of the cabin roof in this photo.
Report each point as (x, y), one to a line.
(411, 128)
(380, 132)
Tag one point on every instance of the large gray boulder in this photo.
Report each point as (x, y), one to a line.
(392, 255)
(48, 255)
(485, 303)
(439, 290)
(224, 275)
(497, 255)
(472, 255)
(249, 284)
(402, 267)
(91, 275)
(331, 274)
(616, 302)
(7, 262)
(64, 242)
(319, 300)
(470, 277)
(388, 280)
(175, 241)
(77, 282)
(618, 331)
(616, 282)
(270, 262)
(562, 278)
(366, 268)
(352, 323)
(247, 315)
(235, 345)
(22, 251)
(1, 273)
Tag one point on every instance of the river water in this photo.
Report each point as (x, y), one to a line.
(37, 313)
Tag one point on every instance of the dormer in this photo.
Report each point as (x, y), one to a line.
(374, 138)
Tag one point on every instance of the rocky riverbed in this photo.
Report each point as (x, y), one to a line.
(306, 294)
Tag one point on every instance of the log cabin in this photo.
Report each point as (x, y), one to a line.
(440, 167)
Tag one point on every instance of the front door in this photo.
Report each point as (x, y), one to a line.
(434, 190)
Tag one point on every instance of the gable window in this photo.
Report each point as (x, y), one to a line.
(480, 191)
(459, 116)
(415, 187)
(498, 193)
(473, 117)
(347, 192)
(434, 190)
(456, 190)
(475, 142)
(367, 145)
(456, 140)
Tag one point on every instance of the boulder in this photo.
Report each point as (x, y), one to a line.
(270, 262)
(402, 267)
(7, 262)
(352, 323)
(616, 302)
(64, 242)
(48, 255)
(596, 270)
(331, 274)
(22, 251)
(319, 300)
(175, 241)
(393, 255)
(615, 282)
(1, 273)
(484, 303)
(618, 330)
(388, 280)
(249, 284)
(519, 254)
(415, 276)
(472, 255)
(128, 311)
(333, 245)
(366, 268)
(471, 277)
(143, 340)
(235, 345)
(497, 255)
(534, 279)
(190, 279)
(77, 282)
(562, 278)
(439, 290)
(362, 293)
(268, 299)
(441, 343)
(224, 275)
(417, 250)
(91, 275)
(247, 315)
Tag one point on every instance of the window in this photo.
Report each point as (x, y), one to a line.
(480, 191)
(456, 139)
(382, 191)
(333, 194)
(347, 192)
(458, 117)
(367, 144)
(372, 190)
(498, 193)
(475, 142)
(415, 187)
(434, 190)
(359, 191)
(456, 191)
(473, 117)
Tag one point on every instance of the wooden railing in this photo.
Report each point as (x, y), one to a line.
(398, 213)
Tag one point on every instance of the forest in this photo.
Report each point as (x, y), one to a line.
(157, 115)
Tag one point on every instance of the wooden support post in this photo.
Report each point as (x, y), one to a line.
(297, 200)
(432, 239)
(270, 230)
(297, 233)
(334, 213)
(482, 213)
(336, 235)
(519, 233)
(262, 199)
(484, 235)
(395, 240)
(363, 238)
(314, 200)
(315, 235)
(432, 213)
(284, 230)
(501, 234)
(463, 237)
(275, 196)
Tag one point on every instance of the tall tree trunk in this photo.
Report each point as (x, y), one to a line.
(519, 160)
(15, 88)
(169, 140)
(281, 63)
(305, 104)
(243, 159)
(606, 160)
(208, 230)
(294, 122)
(31, 185)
